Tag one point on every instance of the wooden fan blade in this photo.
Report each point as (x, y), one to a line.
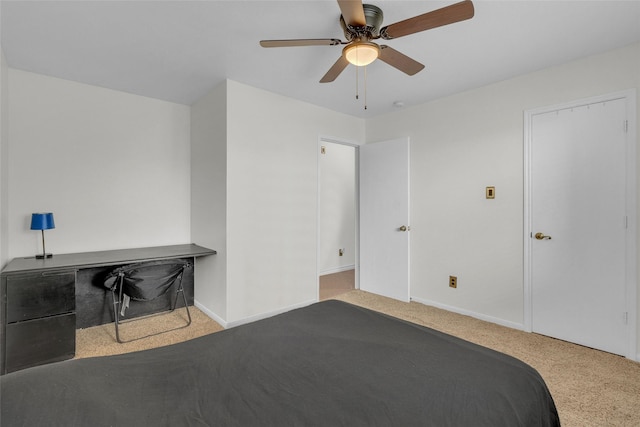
(399, 60)
(447, 15)
(299, 42)
(353, 12)
(335, 70)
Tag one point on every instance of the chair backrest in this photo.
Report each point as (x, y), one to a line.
(146, 281)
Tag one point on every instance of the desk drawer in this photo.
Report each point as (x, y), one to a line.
(36, 342)
(40, 295)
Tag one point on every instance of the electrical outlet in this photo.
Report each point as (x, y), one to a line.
(453, 282)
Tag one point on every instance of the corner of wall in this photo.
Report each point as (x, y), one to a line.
(209, 199)
(4, 146)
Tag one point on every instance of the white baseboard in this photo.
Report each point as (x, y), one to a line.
(268, 314)
(337, 270)
(211, 314)
(249, 319)
(496, 320)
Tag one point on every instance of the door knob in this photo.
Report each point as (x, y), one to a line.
(405, 228)
(541, 236)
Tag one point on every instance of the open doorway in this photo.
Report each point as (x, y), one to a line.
(337, 218)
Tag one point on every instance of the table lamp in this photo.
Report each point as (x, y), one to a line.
(42, 221)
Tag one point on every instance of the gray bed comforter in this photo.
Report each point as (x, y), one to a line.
(329, 364)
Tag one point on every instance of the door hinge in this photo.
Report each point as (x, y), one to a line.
(626, 126)
(625, 317)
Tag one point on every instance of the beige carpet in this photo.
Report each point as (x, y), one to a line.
(590, 387)
(101, 340)
(332, 285)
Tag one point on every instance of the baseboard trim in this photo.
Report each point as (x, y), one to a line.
(268, 314)
(249, 319)
(480, 316)
(337, 270)
(211, 314)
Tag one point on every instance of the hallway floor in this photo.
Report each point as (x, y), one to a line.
(337, 283)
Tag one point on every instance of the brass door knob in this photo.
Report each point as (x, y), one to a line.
(404, 228)
(541, 236)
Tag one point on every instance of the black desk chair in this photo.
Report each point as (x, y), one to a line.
(146, 281)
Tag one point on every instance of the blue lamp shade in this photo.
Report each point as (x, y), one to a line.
(42, 221)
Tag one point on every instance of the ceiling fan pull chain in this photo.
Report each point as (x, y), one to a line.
(357, 84)
(365, 87)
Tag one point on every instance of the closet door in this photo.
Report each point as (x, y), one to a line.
(579, 224)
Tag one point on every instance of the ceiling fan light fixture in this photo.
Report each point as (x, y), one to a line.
(361, 53)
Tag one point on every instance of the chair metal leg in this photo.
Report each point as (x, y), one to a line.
(117, 306)
(116, 309)
(180, 290)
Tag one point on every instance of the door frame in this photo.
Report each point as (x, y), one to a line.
(631, 178)
(332, 140)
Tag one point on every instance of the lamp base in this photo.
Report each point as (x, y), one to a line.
(43, 256)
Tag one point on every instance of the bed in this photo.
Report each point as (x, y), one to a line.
(328, 364)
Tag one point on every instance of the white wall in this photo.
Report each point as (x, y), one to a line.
(471, 140)
(337, 214)
(114, 168)
(209, 199)
(4, 169)
(272, 194)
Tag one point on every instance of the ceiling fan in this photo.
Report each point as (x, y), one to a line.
(361, 24)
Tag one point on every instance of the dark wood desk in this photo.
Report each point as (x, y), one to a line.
(44, 300)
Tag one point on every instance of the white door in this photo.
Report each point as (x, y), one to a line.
(384, 218)
(578, 224)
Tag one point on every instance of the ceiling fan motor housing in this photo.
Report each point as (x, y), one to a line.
(373, 17)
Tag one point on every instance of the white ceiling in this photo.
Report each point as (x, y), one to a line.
(178, 50)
